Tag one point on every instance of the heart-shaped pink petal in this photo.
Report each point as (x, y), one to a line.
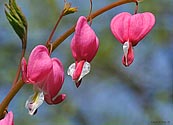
(39, 64)
(134, 28)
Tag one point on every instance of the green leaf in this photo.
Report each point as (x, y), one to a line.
(17, 20)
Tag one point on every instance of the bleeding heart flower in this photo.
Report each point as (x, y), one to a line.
(47, 76)
(129, 30)
(8, 119)
(84, 46)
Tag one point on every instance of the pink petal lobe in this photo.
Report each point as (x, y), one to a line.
(129, 56)
(120, 26)
(140, 25)
(55, 81)
(55, 100)
(8, 120)
(24, 70)
(39, 64)
(78, 70)
(84, 43)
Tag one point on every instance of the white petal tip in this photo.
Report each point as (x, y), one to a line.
(85, 70)
(33, 102)
(126, 49)
(71, 69)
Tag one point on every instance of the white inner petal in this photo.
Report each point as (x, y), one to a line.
(125, 49)
(71, 69)
(34, 101)
(85, 70)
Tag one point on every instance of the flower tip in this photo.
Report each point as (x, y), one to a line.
(126, 65)
(55, 100)
(63, 96)
(127, 62)
(59, 99)
(78, 83)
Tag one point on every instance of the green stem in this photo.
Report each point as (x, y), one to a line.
(13, 91)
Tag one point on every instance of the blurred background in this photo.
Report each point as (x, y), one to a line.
(111, 94)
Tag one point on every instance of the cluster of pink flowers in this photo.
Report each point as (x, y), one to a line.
(46, 74)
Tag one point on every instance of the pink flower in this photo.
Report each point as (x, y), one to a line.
(47, 76)
(129, 30)
(84, 46)
(8, 119)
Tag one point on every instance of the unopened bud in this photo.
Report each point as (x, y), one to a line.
(68, 9)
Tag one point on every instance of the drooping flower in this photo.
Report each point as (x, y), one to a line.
(84, 46)
(8, 119)
(47, 76)
(129, 30)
